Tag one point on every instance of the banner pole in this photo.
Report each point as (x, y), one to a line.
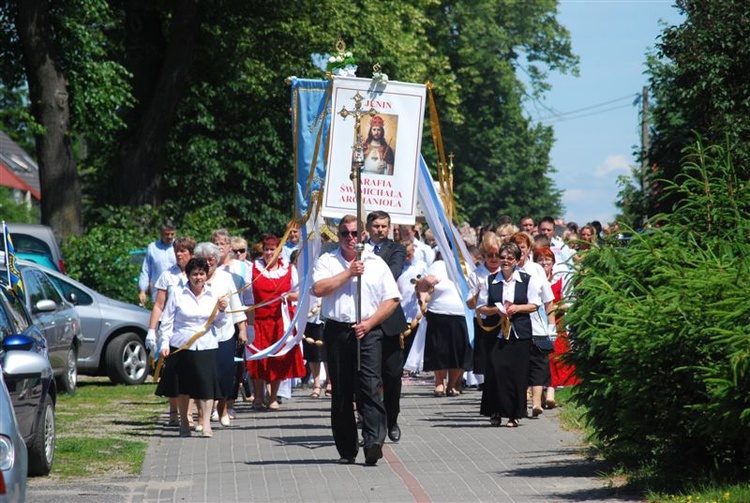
(356, 176)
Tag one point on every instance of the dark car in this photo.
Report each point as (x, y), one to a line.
(29, 380)
(56, 318)
(13, 457)
(113, 332)
(36, 243)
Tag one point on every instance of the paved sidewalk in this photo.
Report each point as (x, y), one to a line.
(447, 453)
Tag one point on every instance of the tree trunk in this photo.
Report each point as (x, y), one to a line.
(142, 153)
(58, 177)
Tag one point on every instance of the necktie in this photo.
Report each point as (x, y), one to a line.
(376, 249)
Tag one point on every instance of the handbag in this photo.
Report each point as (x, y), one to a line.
(543, 343)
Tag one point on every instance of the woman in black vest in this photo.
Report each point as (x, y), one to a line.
(512, 295)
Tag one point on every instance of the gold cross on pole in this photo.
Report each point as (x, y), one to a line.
(358, 162)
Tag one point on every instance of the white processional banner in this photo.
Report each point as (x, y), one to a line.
(392, 139)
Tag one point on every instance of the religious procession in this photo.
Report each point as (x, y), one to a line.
(371, 282)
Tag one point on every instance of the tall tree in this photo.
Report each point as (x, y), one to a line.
(59, 51)
(48, 94)
(502, 158)
(195, 89)
(160, 46)
(699, 84)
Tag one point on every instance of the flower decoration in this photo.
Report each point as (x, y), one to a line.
(343, 63)
(379, 77)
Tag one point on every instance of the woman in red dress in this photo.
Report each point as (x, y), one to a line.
(562, 374)
(271, 279)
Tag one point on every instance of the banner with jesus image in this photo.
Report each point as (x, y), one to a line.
(392, 139)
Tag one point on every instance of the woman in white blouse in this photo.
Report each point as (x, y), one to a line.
(513, 295)
(189, 325)
(447, 336)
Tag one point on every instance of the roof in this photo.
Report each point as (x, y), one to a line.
(17, 169)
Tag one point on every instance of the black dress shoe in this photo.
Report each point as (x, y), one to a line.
(394, 433)
(373, 454)
(346, 461)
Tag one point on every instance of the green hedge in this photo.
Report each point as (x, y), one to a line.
(100, 258)
(661, 333)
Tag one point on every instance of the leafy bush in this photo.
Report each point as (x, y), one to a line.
(12, 211)
(661, 332)
(100, 258)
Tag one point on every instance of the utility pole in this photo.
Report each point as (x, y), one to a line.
(644, 141)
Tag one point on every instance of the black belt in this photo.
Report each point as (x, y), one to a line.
(340, 324)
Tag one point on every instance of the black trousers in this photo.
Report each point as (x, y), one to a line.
(393, 367)
(350, 385)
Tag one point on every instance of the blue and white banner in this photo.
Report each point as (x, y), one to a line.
(451, 246)
(311, 122)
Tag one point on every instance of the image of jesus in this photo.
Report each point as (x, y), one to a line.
(378, 154)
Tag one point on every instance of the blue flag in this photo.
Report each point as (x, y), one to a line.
(311, 121)
(14, 276)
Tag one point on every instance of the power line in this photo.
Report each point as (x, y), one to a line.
(598, 112)
(562, 115)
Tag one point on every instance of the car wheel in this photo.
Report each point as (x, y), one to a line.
(42, 445)
(69, 379)
(126, 359)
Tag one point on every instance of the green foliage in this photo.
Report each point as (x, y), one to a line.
(100, 258)
(699, 85)
(16, 120)
(98, 83)
(228, 139)
(661, 333)
(12, 211)
(502, 161)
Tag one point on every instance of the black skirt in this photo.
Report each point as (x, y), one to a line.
(314, 352)
(226, 368)
(539, 371)
(191, 373)
(446, 342)
(483, 342)
(506, 379)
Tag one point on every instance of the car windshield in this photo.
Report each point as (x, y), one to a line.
(27, 244)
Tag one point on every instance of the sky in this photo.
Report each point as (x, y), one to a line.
(596, 123)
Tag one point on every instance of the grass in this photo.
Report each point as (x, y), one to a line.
(572, 417)
(104, 429)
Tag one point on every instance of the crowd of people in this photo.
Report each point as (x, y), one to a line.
(382, 305)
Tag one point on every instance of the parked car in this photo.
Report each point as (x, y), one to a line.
(29, 380)
(57, 319)
(113, 332)
(36, 243)
(13, 458)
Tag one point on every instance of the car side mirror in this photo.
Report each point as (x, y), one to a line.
(25, 365)
(45, 305)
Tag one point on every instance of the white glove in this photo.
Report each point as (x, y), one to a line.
(151, 341)
(552, 331)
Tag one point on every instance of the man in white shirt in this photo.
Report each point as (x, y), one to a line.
(559, 248)
(349, 343)
(422, 251)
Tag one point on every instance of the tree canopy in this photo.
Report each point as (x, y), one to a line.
(697, 79)
(185, 101)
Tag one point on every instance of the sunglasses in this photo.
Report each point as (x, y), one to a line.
(240, 250)
(351, 234)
